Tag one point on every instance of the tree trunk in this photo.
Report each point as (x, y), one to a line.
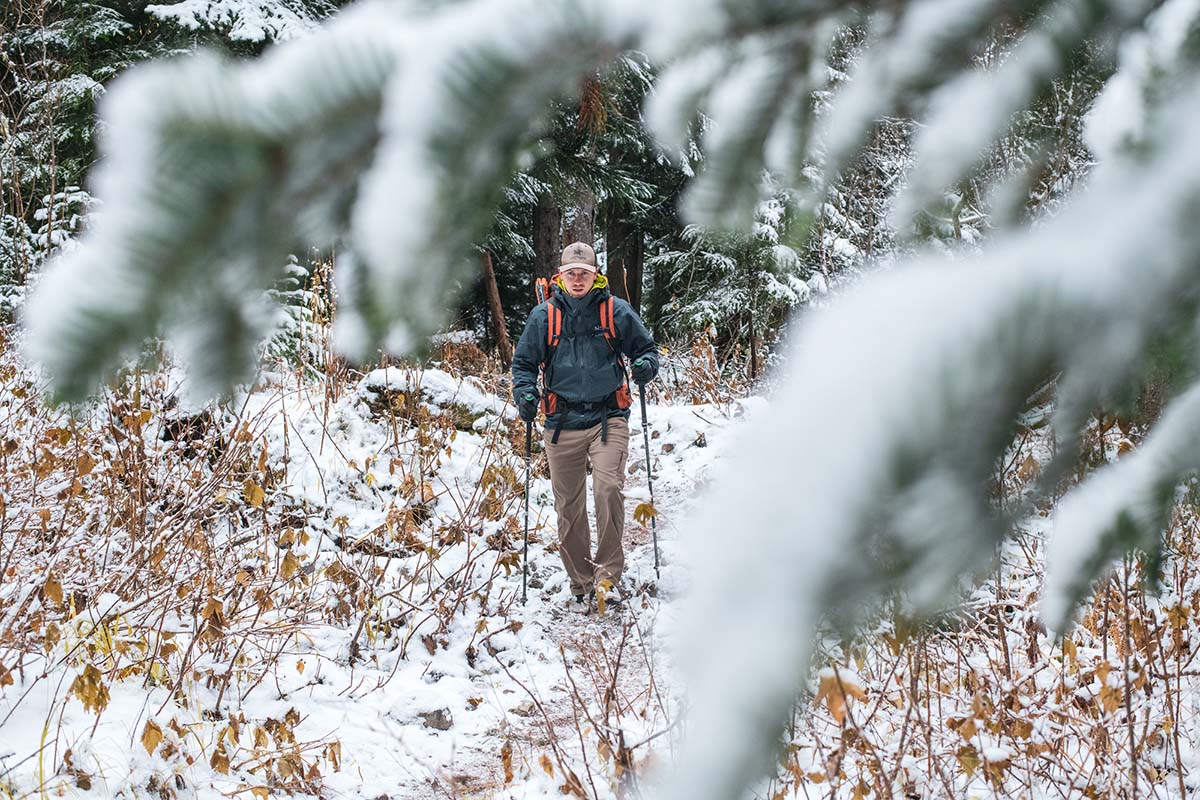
(503, 346)
(753, 349)
(547, 246)
(635, 259)
(614, 242)
(579, 217)
(626, 255)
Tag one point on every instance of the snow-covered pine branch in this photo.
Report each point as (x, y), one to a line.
(215, 174)
(246, 20)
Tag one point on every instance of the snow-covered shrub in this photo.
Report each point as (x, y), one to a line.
(246, 20)
(62, 217)
(17, 259)
(740, 284)
(300, 331)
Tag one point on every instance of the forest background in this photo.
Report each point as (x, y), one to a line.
(593, 174)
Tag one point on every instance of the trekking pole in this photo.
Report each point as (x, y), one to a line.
(649, 478)
(528, 476)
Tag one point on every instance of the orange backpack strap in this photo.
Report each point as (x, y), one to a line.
(554, 324)
(606, 319)
(609, 325)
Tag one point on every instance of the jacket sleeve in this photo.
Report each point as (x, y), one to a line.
(529, 354)
(636, 340)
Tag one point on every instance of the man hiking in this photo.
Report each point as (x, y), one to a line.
(579, 340)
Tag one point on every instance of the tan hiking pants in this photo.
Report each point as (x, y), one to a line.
(568, 477)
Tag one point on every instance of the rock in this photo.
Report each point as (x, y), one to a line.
(668, 447)
(439, 720)
(525, 708)
(700, 441)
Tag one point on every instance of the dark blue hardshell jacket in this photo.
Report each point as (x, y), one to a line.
(585, 371)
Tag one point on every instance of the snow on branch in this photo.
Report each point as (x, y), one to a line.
(973, 111)
(475, 79)
(241, 20)
(199, 216)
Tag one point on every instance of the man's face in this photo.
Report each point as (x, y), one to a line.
(578, 281)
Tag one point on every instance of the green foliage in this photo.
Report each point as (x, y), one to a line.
(601, 141)
(61, 217)
(59, 56)
(245, 27)
(742, 285)
(1171, 365)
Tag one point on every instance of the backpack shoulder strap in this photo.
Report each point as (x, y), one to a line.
(606, 319)
(554, 325)
(608, 322)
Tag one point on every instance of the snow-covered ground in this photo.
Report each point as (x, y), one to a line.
(329, 602)
(317, 592)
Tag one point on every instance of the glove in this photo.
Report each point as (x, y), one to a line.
(643, 371)
(527, 406)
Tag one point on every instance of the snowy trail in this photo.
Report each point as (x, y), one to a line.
(563, 692)
(582, 687)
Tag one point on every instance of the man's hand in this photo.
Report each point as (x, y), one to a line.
(643, 371)
(527, 406)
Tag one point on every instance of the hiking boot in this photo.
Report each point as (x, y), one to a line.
(614, 598)
(579, 604)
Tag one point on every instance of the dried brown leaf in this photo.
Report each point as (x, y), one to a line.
(53, 589)
(151, 736)
(506, 761)
(253, 493)
(837, 694)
